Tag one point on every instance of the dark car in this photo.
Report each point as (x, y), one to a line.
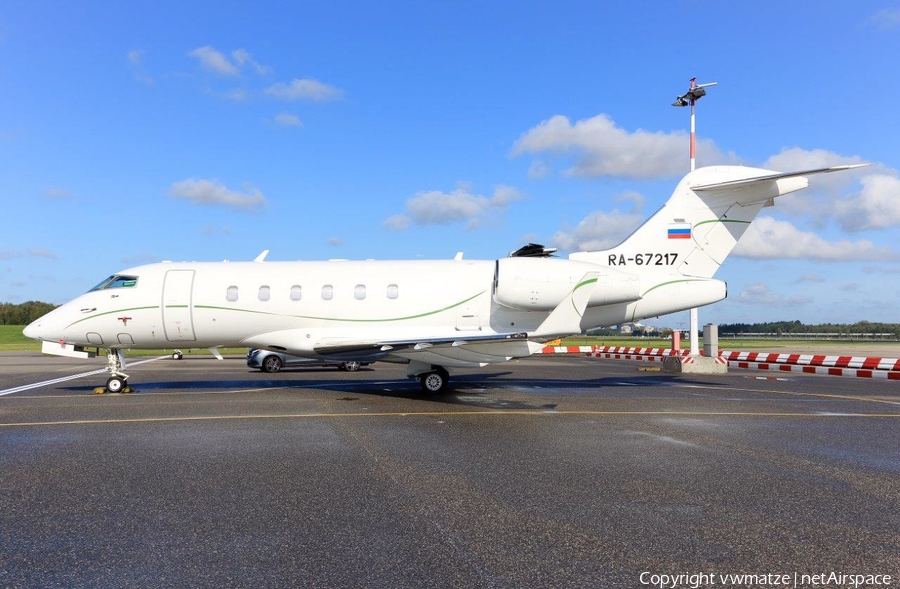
(268, 361)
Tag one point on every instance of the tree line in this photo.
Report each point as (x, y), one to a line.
(860, 328)
(23, 313)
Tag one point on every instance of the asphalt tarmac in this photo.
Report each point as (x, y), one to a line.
(546, 472)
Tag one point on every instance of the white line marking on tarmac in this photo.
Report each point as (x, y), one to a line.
(28, 387)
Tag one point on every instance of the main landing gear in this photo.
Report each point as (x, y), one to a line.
(118, 380)
(432, 379)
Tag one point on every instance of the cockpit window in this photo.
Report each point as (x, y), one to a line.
(116, 281)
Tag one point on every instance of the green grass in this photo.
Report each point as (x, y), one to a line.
(12, 340)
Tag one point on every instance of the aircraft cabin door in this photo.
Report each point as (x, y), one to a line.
(177, 306)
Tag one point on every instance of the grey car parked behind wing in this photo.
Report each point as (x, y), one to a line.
(269, 361)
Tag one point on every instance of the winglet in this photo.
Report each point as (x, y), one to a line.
(565, 319)
(262, 256)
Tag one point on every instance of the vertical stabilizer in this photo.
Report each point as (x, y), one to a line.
(700, 224)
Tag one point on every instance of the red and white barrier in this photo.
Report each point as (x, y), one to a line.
(856, 366)
(815, 360)
(886, 374)
(568, 349)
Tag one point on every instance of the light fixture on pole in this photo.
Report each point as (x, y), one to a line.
(695, 93)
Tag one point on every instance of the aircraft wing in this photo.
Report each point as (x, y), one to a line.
(460, 350)
(457, 349)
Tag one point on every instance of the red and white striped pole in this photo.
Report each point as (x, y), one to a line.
(693, 142)
(695, 93)
(695, 313)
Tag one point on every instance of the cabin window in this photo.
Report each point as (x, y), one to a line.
(264, 293)
(232, 293)
(296, 292)
(327, 292)
(359, 292)
(393, 291)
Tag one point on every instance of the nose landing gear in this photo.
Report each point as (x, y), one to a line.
(118, 380)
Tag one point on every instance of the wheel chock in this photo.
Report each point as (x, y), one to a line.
(99, 391)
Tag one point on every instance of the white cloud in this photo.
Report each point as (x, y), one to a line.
(795, 159)
(238, 95)
(215, 61)
(305, 89)
(41, 253)
(503, 195)
(538, 169)
(438, 208)
(598, 231)
(212, 192)
(759, 293)
(768, 238)
(810, 278)
(288, 120)
(602, 230)
(880, 270)
(397, 222)
(210, 230)
(242, 57)
(55, 192)
(886, 19)
(138, 259)
(875, 206)
(33, 253)
(218, 62)
(635, 198)
(136, 59)
(603, 149)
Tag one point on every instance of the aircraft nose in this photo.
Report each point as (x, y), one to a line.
(33, 330)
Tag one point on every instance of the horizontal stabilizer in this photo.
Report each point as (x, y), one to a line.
(770, 177)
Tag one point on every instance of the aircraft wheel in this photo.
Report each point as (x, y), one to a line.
(349, 366)
(177, 355)
(434, 382)
(115, 384)
(272, 364)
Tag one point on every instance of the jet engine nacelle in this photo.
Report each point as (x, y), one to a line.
(540, 284)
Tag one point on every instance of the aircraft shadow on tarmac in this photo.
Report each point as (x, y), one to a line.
(482, 389)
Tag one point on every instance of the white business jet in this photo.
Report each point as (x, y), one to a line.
(431, 315)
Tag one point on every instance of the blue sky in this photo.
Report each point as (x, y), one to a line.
(138, 132)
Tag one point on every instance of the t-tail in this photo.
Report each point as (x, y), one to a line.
(700, 224)
(678, 250)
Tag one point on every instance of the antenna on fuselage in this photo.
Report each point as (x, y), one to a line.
(262, 257)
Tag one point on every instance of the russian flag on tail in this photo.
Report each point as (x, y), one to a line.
(679, 230)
